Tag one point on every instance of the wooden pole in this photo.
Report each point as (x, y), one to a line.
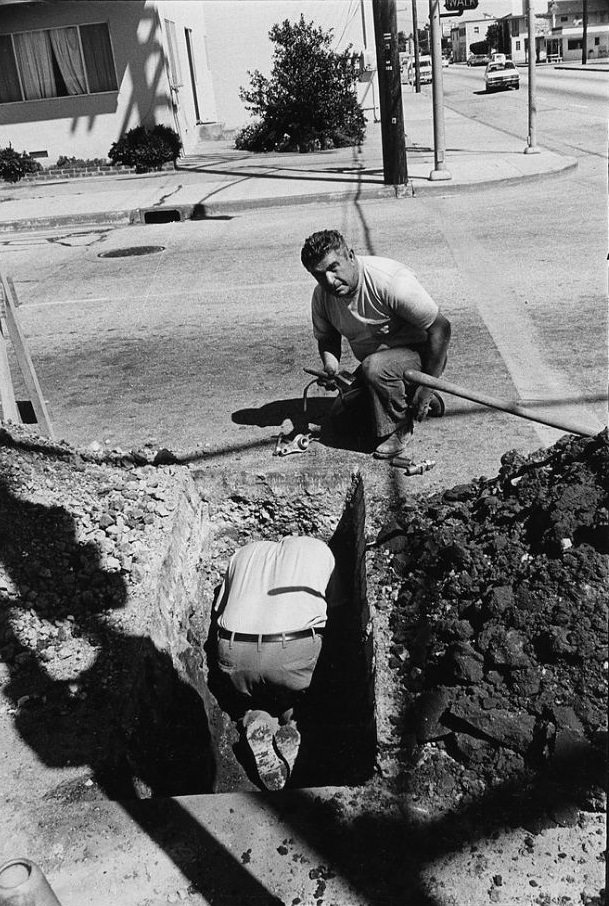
(390, 90)
(24, 360)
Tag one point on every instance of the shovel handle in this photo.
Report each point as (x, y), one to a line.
(434, 383)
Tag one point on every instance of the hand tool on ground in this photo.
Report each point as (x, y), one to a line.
(412, 468)
(434, 383)
(291, 440)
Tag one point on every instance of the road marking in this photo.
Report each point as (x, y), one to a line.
(221, 287)
(513, 332)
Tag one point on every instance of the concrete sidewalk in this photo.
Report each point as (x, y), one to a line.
(217, 180)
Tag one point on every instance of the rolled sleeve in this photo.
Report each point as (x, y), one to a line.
(323, 329)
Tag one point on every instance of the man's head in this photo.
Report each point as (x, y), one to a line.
(327, 258)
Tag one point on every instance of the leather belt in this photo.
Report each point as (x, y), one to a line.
(272, 637)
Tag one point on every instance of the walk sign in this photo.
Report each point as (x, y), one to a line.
(457, 6)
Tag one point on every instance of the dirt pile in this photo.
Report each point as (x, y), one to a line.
(499, 621)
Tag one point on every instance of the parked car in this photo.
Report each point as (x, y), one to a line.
(477, 59)
(424, 70)
(501, 75)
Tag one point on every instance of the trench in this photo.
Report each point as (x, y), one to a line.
(174, 698)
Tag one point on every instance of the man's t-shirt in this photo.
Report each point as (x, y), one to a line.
(389, 308)
(276, 586)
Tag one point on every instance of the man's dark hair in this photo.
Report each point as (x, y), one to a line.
(317, 246)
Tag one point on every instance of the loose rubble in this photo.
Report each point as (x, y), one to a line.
(498, 595)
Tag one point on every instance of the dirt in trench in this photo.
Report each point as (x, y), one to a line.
(498, 609)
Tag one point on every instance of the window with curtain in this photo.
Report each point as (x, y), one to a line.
(56, 62)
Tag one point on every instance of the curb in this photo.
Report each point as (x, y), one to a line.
(416, 187)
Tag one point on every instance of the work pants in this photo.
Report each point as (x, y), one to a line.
(390, 394)
(269, 675)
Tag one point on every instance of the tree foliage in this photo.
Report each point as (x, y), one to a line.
(494, 38)
(309, 101)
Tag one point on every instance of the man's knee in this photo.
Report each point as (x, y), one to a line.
(374, 369)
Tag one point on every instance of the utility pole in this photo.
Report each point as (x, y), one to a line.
(531, 147)
(390, 90)
(415, 32)
(584, 32)
(435, 40)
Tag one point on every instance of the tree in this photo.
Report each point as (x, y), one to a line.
(309, 101)
(495, 38)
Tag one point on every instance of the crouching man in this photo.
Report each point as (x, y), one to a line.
(392, 325)
(271, 612)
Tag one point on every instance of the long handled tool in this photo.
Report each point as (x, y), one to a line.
(434, 383)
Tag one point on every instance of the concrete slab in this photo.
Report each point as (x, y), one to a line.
(231, 849)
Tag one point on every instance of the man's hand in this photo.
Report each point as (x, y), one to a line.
(420, 402)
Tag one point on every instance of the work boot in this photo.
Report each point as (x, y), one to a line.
(287, 743)
(272, 770)
(396, 443)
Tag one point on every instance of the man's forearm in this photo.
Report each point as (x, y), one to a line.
(329, 352)
(436, 350)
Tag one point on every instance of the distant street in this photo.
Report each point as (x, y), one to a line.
(571, 106)
(204, 342)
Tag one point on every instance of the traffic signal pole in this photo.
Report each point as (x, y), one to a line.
(390, 90)
(435, 39)
(531, 147)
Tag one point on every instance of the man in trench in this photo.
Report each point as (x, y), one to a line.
(392, 325)
(271, 611)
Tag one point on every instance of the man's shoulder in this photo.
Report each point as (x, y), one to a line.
(384, 270)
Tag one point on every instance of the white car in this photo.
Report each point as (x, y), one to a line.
(501, 75)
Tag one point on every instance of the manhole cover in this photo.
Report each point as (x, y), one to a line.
(134, 250)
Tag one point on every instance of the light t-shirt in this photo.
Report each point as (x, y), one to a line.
(389, 308)
(276, 586)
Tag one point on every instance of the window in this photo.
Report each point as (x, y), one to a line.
(56, 62)
(597, 41)
(574, 44)
(174, 59)
(515, 28)
(517, 45)
(476, 30)
(564, 18)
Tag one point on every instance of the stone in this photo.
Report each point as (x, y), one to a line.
(505, 648)
(513, 729)
(430, 707)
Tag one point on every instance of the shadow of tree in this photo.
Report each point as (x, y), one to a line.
(126, 717)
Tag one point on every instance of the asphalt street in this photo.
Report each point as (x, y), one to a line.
(204, 342)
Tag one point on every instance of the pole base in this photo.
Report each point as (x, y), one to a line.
(532, 149)
(436, 175)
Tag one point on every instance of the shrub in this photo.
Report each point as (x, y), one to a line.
(77, 163)
(310, 101)
(14, 166)
(146, 148)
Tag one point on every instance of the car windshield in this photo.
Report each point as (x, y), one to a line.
(495, 67)
(509, 65)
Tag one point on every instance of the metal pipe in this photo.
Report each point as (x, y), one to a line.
(435, 40)
(531, 147)
(417, 377)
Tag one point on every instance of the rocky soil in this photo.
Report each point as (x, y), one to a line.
(496, 593)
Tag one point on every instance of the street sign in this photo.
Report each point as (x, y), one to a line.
(457, 6)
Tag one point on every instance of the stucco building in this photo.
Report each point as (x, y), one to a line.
(76, 74)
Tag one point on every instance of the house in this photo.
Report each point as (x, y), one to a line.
(567, 29)
(470, 32)
(75, 75)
